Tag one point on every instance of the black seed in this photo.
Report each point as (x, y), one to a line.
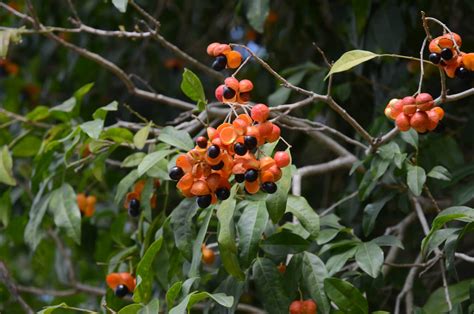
(219, 166)
(220, 63)
(239, 178)
(121, 291)
(228, 93)
(204, 201)
(434, 58)
(251, 175)
(213, 151)
(201, 142)
(176, 173)
(134, 207)
(446, 54)
(240, 149)
(250, 142)
(269, 187)
(222, 193)
(462, 73)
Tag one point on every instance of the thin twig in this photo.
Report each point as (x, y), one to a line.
(12, 288)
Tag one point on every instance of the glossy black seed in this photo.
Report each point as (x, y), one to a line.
(204, 201)
(213, 151)
(446, 54)
(121, 291)
(176, 173)
(239, 178)
(134, 207)
(434, 57)
(201, 142)
(462, 73)
(219, 166)
(240, 149)
(250, 142)
(222, 193)
(251, 175)
(220, 63)
(228, 93)
(269, 187)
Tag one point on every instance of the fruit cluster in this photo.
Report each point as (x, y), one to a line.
(8, 67)
(417, 112)
(444, 52)
(234, 91)
(86, 204)
(122, 283)
(132, 200)
(231, 149)
(303, 307)
(224, 56)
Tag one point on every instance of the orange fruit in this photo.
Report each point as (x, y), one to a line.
(234, 58)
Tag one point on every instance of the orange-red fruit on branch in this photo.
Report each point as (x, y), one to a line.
(424, 101)
(245, 86)
(303, 307)
(419, 121)
(282, 159)
(124, 278)
(208, 255)
(260, 113)
(220, 92)
(403, 122)
(275, 135)
(234, 58)
(282, 268)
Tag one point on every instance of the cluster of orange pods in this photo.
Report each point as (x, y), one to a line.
(417, 112)
(234, 91)
(444, 52)
(231, 150)
(224, 56)
(132, 200)
(8, 67)
(86, 204)
(122, 283)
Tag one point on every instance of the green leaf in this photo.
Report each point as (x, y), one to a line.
(192, 87)
(114, 262)
(118, 135)
(121, 5)
(440, 173)
(150, 160)
(437, 238)
(124, 185)
(36, 214)
(369, 257)
(50, 309)
(5, 208)
(152, 307)
(28, 146)
(270, 286)
(416, 178)
(464, 193)
(133, 160)
(327, 235)
(226, 236)
(101, 113)
(173, 293)
(142, 292)
(181, 308)
(284, 243)
(6, 165)
(388, 151)
(388, 240)
(351, 59)
(346, 296)
(458, 292)
(93, 128)
(371, 211)
(196, 260)
(219, 298)
(181, 220)
(361, 9)
(39, 113)
(276, 202)
(257, 12)
(141, 136)
(176, 138)
(251, 225)
(337, 261)
(410, 137)
(306, 215)
(67, 215)
(314, 273)
(131, 309)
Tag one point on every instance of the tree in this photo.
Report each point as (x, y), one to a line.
(184, 191)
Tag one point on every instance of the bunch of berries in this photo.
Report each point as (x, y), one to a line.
(8, 67)
(234, 91)
(303, 307)
(444, 52)
(231, 149)
(225, 56)
(122, 283)
(86, 204)
(132, 200)
(417, 113)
